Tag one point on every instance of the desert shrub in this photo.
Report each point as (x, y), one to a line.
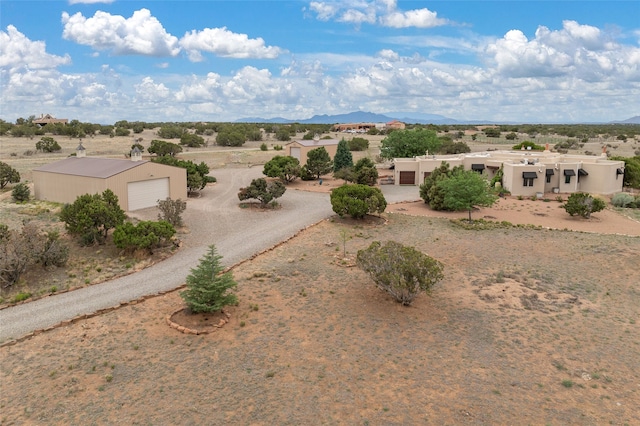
(191, 140)
(283, 135)
(20, 250)
(357, 200)
(263, 191)
(145, 235)
(401, 271)
(48, 144)
(622, 199)
(264, 147)
(21, 193)
(170, 132)
(121, 131)
(91, 216)
(171, 211)
(358, 144)
(365, 172)
(583, 204)
(54, 251)
(284, 167)
(231, 137)
(207, 287)
(8, 175)
(277, 148)
(162, 148)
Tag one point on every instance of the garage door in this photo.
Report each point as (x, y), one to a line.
(146, 193)
(407, 178)
(295, 152)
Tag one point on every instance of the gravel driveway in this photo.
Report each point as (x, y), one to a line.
(215, 218)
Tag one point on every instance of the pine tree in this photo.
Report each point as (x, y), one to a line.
(207, 286)
(343, 158)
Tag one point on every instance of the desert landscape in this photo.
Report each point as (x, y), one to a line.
(534, 323)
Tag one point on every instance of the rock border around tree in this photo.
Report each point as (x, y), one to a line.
(187, 330)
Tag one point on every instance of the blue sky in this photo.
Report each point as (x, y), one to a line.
(523, 61)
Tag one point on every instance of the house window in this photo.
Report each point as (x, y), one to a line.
(549, 173)
(477, 168)
(582, 172)
(567, 175)
(528, 178)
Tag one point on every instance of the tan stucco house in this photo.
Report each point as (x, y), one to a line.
(525, 173)
(300, 148)
(138, 184)
(45, 119)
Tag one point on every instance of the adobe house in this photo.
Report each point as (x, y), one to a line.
(49, 119)
(525, 173)
(138, 184)
(300, 148)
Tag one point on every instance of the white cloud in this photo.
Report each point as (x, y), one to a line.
(142, 34)
(382, 12)
(419, 18)
(16, 51)
(149, 91)
(575, 51)
(225, 43)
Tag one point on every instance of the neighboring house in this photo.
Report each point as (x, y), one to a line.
(525, 173)
(395, 125)
(300, 148)
(138, 184)
(354, 127)
(49, 119)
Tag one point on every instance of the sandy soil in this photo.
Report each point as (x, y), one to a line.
(548, 214)
(529, 326)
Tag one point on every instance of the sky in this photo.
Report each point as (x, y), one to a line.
(102, 61)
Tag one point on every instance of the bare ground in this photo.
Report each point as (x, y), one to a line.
(528, 327)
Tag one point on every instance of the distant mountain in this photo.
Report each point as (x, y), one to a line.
(359, 117)
(632, 120)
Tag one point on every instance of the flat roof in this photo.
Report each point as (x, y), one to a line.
(90, 166)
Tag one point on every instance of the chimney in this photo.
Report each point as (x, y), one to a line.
(604, 152)
(80, 151)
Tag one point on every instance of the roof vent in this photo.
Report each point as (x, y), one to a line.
(81, 151)
(136, 154)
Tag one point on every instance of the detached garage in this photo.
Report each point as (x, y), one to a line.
(138, 184)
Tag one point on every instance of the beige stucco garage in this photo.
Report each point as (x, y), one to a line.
(138, 184)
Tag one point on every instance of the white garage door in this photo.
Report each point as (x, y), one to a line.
(146, 193)
(295, 152)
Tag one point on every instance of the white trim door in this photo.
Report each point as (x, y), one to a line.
(146, 193)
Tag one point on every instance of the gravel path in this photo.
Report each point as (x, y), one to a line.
(215, 218)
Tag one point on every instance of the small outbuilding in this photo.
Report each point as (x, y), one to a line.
(300, 148)
(138, 184)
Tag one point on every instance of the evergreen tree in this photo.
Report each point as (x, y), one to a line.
(318, 162)
(343, 158)
(207, 286)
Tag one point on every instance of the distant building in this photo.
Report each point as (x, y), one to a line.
(395, 125)
(353, 127)
(49, 119)
(525, 173)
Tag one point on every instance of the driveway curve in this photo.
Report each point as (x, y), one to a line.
(215, 218)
